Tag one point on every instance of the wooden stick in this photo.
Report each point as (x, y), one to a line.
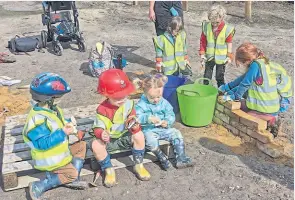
(185, 5)
(248, 10)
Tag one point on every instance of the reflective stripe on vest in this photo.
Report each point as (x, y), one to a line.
(216, 49)
(117, 126)
(264, 98)
(172, 54)
(56, 157)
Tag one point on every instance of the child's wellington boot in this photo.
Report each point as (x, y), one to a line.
(141, 172)
(110, 177)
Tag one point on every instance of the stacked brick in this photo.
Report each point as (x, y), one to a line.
(250, 129)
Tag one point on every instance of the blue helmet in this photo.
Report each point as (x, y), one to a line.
(46, 86)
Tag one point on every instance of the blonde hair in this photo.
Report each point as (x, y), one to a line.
(174, 23)
(248, 52)
(154, 81)
(215, 12)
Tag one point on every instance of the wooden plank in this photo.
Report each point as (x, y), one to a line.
(118, 163)
(26, 155)
(28, 164)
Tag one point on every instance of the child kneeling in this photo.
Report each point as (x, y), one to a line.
(156, 116)
(115, 127)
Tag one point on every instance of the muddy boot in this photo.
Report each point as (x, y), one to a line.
(37, 188)
(162, 158)
(139, 169)
(107, 168)
(77, 184)
(182, 161)
(110, 177)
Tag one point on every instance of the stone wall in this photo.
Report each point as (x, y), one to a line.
(249, 128)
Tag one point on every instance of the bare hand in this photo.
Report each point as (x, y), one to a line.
(152, 15)
(105, 136)
(154, 120)
(68, 128)
(164, 124)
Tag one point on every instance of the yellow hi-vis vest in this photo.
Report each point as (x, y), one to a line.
(172, 54)
(265, 98)
(56, 157)
(216, 48)
(116, 128)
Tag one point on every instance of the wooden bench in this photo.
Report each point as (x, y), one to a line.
(17, 168)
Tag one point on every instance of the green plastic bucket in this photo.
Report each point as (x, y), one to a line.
(197, 103)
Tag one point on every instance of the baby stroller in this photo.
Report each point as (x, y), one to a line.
(60, 26)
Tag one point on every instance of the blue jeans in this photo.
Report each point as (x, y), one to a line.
(152, 137)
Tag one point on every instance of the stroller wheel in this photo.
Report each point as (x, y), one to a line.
(44, 38)
(81, 45)
(57, 49)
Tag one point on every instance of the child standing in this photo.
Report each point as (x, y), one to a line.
(113, 129)
(171, 50)
(46, 132)
(156, 116)
(216, 44)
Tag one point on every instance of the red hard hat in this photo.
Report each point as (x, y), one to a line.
(114, 83)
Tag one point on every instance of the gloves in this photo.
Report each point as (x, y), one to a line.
(203, 60)
(226, 98)
(186, 60)
(173, 12)
(224, 88)
(284, 105)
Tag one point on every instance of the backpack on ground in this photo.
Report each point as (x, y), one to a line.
(24, 44)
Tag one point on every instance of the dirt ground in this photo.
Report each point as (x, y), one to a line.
(226, 167)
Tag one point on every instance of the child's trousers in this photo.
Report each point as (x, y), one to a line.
(69, 173)
(153, 136)
(220, 69)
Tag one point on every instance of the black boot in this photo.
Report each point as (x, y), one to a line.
(162, 158)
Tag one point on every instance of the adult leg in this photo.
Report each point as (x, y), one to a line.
(209, 66)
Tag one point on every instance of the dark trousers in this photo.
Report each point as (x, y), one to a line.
(220, 69)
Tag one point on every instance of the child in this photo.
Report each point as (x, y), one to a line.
(46, 132)
(156, 116)
(171, 50)
(113, 129)
(216, 44)
(268, 84)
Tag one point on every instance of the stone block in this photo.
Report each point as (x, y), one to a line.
(231, 114)
(270, 149)
(222, 116)
(238, 125)
(233, 105)
(232, 129)
(217, 121)
(245, 137)
(219, 107)
(263, 136)
(250, 121)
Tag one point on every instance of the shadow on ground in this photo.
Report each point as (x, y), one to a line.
(269, 170)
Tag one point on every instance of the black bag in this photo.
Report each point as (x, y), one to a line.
(24, 44)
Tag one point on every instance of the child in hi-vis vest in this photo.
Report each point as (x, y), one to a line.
(115, 127)
(171, 50)
(216, 44)
(46, 132)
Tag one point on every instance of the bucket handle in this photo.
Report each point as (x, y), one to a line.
(182, 92)
(199, 79)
